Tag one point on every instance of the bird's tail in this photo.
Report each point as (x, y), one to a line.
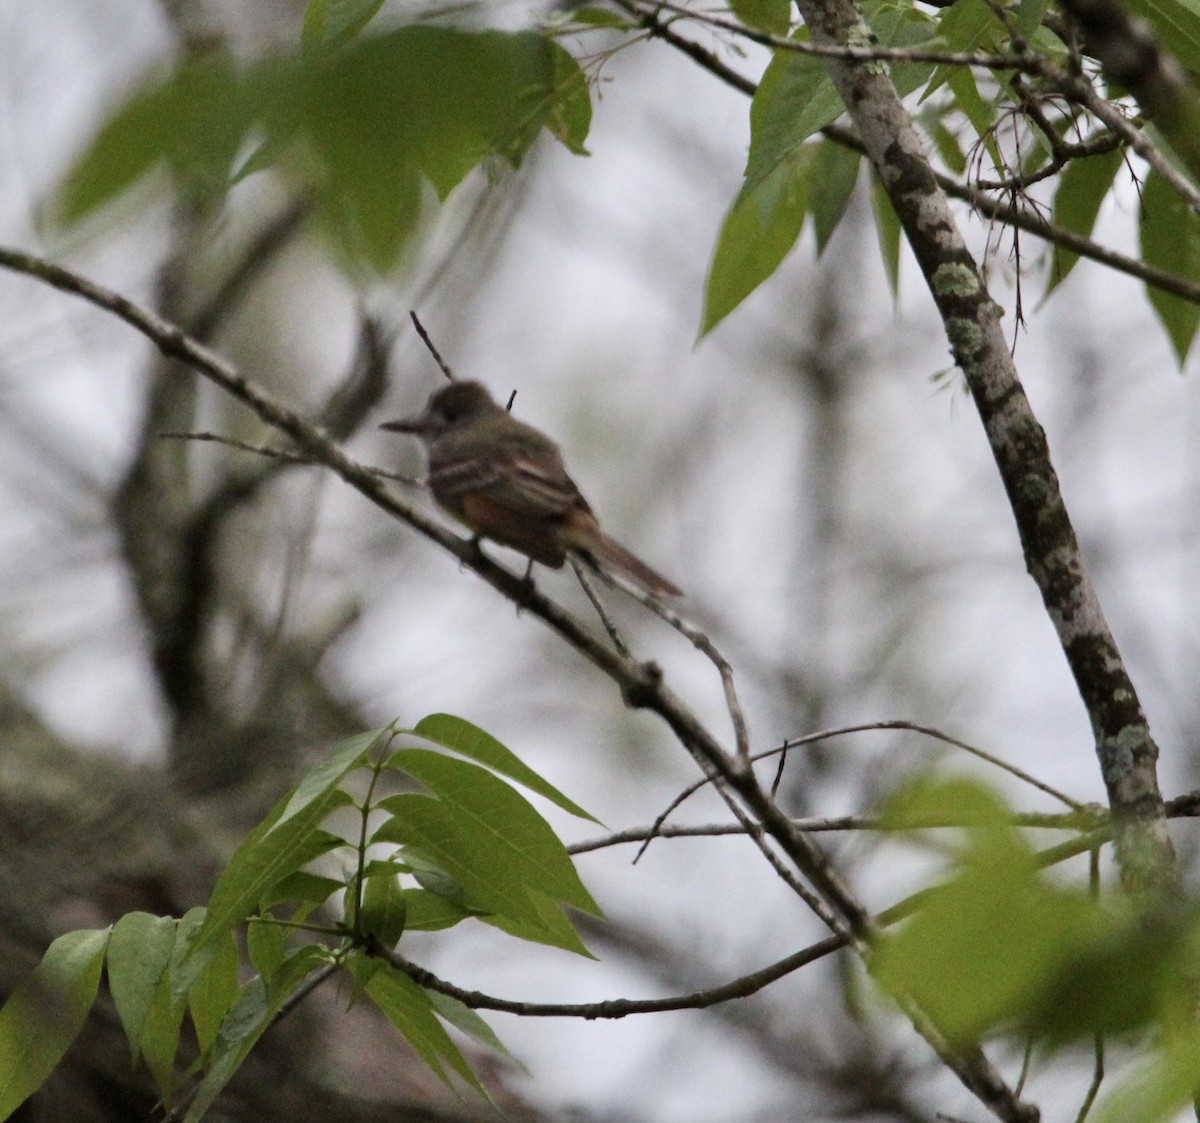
(614, 559)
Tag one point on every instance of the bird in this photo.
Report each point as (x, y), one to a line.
(505, 481)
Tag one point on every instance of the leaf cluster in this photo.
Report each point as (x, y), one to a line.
(1026, 134)
(999, 947)
(364, 124)
(461, 844)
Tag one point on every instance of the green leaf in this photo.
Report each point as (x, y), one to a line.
(980, 113)
(366, 129)
(601, 17)
(903, 26)
(1030, 14)
(772, 16)
(487, 838)
(426, 103)
(970, 25)
(431, 912)
(160, 1037)
(887, 228)
(139, 956)
(324, 777)
(463, 1018)
(432, 877)
(384, 909)
(1177, 23)
(795, 99)
(1124, 976)
(187, 967)
(330, 24)
(550, 926)
(498, 826)
(758, 232)
(568, 103)
(285, 840)
(192, 122)
(469, 740)
(409, 1008)
(45, 1013)
(242, 1027)
(433, 99)
(214, 992)
(835, 169)
(302, 886)
(1023, 952)
(266, 945)
(296, 968)
(1170, 236)
(997, 932)
(264, 859)
(948, 147)
(1159, 1088)
(927, 801)
(1082, 188)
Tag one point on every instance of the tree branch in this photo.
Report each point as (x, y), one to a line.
(1125, 748)
(741, 987)
(641, 684)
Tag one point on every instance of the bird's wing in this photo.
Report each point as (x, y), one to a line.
(524, 482)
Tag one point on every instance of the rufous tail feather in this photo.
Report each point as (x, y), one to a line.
(610, 555)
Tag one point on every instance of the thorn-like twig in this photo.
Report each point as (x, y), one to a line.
(282, 454)
(437, 356)
(592, 595)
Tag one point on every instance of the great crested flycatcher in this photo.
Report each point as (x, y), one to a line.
(506, 481)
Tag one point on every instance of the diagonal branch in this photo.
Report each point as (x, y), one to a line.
(1124, 745)
(641, 684)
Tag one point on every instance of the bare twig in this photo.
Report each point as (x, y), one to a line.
(842, 52)
(824, 824)
(1078, 808)
(437, 357)
(609, 626)
(614, 1007)
(283, 454)
(1097, 1078)
(937, 735)
(703, 644)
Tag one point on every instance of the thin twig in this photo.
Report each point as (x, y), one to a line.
(704, 644)
(937, 735)
(825, 734)
(614, 1007)
(268, 451)
(835, 51)
(1026, 1062)
(437, 357)
(657, 826)
(824, 824)
(1080, 91)
(1097, 1078)
(605, 619)
(283, 454)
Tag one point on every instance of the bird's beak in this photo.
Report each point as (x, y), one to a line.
(421, 424)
